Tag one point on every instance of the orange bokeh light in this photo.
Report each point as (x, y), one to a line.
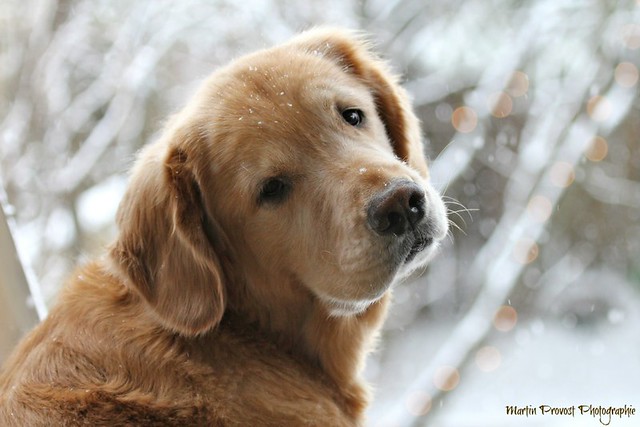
(418, 403)
(446, 378)
(539, 207)
(464, 119)
(505, 318)
(597, 150)
(562, 174)
(599, 108)
(500, 104)
(518, 84)
(626, 74)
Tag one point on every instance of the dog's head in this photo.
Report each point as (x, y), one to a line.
(302, 163)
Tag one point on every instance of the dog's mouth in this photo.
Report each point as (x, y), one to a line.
(420, 244)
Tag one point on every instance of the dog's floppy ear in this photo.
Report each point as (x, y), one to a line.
(165, 248)
(353, 54)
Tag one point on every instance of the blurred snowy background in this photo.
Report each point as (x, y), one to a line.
(531, 111)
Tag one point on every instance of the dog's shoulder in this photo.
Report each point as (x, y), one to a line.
(100, 359)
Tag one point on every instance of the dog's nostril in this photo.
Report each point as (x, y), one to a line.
(397, 209)
(396, 223)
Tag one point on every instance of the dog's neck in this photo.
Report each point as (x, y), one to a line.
(341, 345)
(302, 326)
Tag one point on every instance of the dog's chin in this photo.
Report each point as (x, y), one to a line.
(417, 258)
(346, 308)
(412, 258)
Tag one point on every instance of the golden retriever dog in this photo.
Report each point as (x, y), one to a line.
(259, 240)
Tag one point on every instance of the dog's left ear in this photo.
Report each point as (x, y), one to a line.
(354, 55)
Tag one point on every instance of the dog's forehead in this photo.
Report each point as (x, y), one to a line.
(281, 92)
(281, 82)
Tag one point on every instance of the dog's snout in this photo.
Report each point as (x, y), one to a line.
(397, 209)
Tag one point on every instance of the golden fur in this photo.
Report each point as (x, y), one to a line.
(220, 303)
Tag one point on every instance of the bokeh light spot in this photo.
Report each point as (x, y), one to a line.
(500, 104)
(418, 403)
(562, 174)
(464, 119)
(631, 36)
(446, 378)
(626, 74)
(597, 150)
(539, 208)
(505, 318)
(599, 108)
(525, 251)
(488, 359)
(518, 84)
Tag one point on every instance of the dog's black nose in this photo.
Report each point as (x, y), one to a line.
(397, 209)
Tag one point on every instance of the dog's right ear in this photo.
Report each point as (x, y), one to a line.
(165, 247)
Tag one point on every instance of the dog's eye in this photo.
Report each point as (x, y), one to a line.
(274, 190)
(353, 116)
